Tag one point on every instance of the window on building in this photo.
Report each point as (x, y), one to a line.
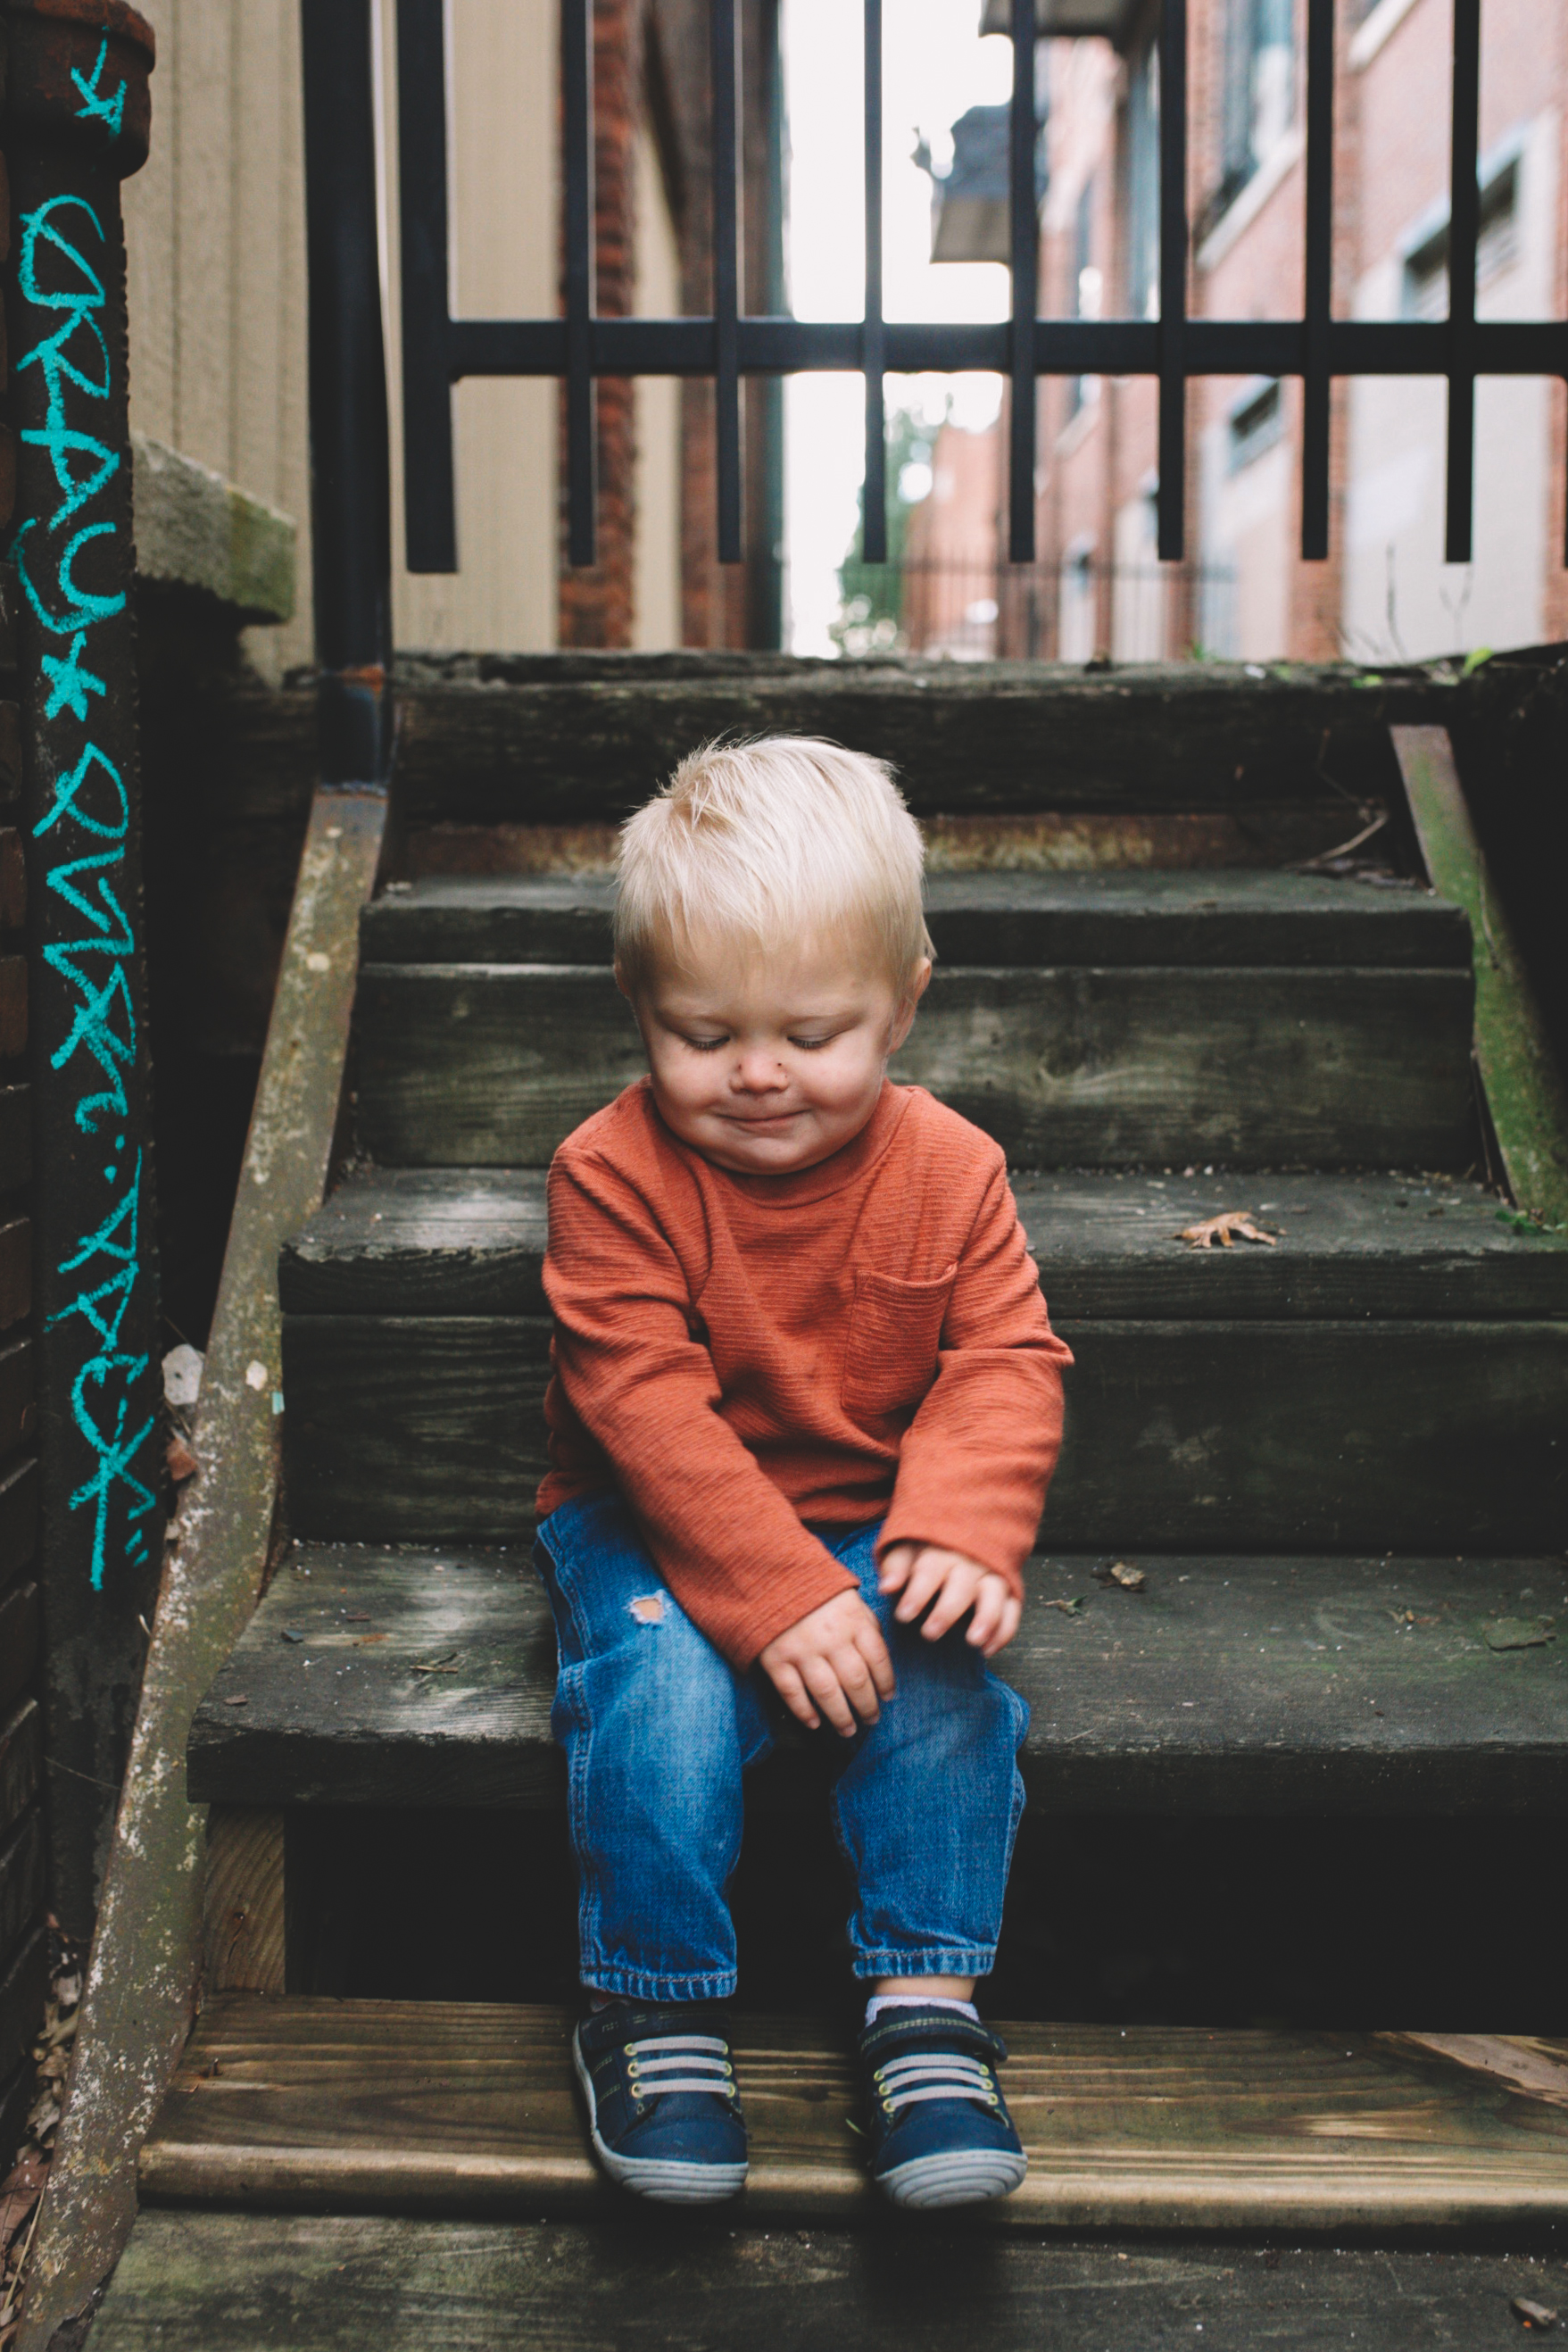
(1425, 291)
(1143, 185)
(1258, 88)
(1255, 423)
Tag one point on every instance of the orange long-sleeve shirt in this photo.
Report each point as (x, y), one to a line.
(741, 1355)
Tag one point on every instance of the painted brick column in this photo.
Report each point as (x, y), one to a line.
(76, 124)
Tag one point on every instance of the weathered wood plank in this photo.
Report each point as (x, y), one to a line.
(21, 1760)
(15, 1137)
(18, 1411)
(19, 1518)
(488, 1065)
(1244, 1436)
(23, 1986)
(473, 2109)
(17, 2092)
(1227, 1685)
(18, 1640)
(15, 1270)
(471, 1241)
(13, 880)
(1196, 918)
(489, 739)
(243, 1901)
(417, 1413)
(195, 2282)
(22, 1859)
(13, 1005)
(1525, 1092)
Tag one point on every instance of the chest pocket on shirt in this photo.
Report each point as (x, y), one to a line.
(895, 1330)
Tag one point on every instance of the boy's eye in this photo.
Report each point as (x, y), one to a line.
(705, 1044)
(811, 1044)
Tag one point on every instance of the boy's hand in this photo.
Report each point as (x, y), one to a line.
(833, 1659)
(924, 1572)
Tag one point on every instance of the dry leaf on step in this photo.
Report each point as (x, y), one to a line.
(1224, 1230)
(1532, 2314)
(1131, 1580)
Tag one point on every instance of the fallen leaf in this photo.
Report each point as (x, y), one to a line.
(1131, 1580)
(1068, 1608)
(1520, 1634)
(239, 1700)
(182, 1462)
(1532, 2314)
(289, 1635)
(356, 1616)
(1223, 1228)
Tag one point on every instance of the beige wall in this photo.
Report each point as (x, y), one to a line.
(214, 228)
(215, 238)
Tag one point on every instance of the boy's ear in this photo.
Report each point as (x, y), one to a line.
(621, 979)
(914, 989)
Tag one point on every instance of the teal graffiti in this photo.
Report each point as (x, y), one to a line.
(70, 683)
(102, 1391)
(86, 827)
(98, 105)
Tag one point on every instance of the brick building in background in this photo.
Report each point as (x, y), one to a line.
(1385, 592)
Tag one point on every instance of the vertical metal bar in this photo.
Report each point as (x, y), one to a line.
(1172, 279)
(725, 35)
(351, 497)
(429, 520)
(577, 132)
(874, 498)
(1464, 220)
(1025, 260)
(1319, 280)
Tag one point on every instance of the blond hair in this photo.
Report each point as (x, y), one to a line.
(768, 845)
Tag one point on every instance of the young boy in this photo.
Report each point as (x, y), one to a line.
(806, 1404)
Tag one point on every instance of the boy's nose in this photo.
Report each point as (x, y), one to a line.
(759, 1073)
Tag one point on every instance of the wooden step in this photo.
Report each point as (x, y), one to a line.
(471, 1241)
(373, 1676)
(203, 2281)
(1391, 1374)
(1341, 1067)
(1258, 918)
(1334, 1435)
(432, 2108)
(531, 739)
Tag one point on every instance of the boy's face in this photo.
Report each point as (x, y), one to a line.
(767, 1067)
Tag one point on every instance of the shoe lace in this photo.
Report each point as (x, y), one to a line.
(680, 2062)
(934, 2075)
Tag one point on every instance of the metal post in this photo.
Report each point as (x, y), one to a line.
(76, 124)
(351, 501)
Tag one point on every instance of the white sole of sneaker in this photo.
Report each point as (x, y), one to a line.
(666, 2183)
(966, 2177)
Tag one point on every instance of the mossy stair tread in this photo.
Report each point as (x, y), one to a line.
(373, 1675)
(1216, 918)
(462, 1240)
(472, 2108)
(192, 2280)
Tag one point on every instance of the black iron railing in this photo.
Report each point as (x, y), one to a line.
(438, 349)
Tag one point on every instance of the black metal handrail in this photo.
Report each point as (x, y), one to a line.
(439, 350)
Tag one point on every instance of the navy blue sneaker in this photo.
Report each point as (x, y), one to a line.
(662, 2107)
(940, 2130)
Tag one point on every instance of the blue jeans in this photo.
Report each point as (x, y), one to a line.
(657, 1730)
